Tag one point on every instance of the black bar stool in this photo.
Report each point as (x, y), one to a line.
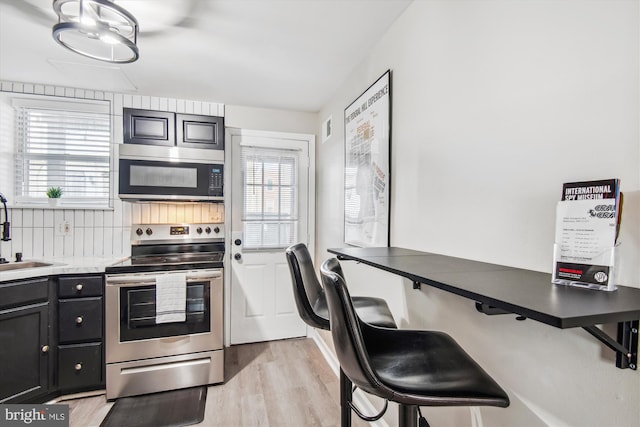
(410, 367)
(312, 307)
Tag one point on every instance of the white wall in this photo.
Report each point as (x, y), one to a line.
(270, 119)
(495, 105)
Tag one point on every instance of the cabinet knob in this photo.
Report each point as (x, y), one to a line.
(44, 349)
(79, 320)
(78, 366)
(79, 287)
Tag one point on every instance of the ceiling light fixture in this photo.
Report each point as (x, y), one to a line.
(98, 29)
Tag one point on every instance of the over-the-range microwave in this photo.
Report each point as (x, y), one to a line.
(148, 172)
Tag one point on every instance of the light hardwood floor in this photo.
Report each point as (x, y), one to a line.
(278, 383)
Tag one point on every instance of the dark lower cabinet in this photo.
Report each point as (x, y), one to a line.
(80, 366)
(25, 349)
(80, 333)
(51, 337)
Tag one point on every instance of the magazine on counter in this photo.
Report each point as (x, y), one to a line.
(587, 227)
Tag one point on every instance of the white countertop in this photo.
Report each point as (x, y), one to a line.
(66, 265)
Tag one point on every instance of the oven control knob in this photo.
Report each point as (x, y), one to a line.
(139, 231)
(237, 256)
(208, 230)
(216, 230)
(149, 232)
(199, 230)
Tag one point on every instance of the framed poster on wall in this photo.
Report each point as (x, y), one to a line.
(367, 132)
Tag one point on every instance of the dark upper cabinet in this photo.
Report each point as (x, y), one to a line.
(149, 127)
(25, 347)
(164, 128)
(200, 131)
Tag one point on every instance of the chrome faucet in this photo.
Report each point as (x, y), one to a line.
(6, 230)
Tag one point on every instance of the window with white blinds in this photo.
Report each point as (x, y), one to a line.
(270, 214)
(64, 145)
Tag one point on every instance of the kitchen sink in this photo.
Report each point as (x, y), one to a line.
(22, 265)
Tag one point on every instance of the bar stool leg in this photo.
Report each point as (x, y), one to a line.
(345, 400)
(407, 416)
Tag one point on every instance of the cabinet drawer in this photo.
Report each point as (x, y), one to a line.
(79, 286)
(79, 365)
(23, 292)
(80, 319)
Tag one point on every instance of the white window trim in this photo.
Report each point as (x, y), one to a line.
(17, 100)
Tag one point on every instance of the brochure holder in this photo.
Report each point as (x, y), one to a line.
(598, 272)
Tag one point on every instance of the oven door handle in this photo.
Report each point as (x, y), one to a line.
(134, 280)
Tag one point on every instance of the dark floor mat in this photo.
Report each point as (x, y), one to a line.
(167, 409)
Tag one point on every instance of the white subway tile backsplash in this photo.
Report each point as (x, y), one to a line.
(48, 218)
(88, 219)
(76, 216)
(78, 242)
(181, 106)
(107, 240)
(171, 105)
(15, 216)
(117, 105)
(48, 246)
(98, 240)
(69, 241)
(27, 242)
(38, 218)
(37, 242)
(58, 244)
(58, 217)
(27, 218)
(107, 220)
(145, 102)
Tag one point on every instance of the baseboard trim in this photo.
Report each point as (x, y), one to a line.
(359, 397)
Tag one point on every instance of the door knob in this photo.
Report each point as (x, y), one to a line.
(44, 348)
(238, 256)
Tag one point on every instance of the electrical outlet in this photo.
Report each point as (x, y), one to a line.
(63, 228)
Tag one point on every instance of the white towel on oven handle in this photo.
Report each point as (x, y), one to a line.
(171, 297)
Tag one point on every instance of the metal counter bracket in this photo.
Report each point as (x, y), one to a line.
(626, 345)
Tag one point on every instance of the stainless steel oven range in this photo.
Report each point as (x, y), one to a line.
(164, 310)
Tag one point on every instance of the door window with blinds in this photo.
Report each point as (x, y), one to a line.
(62, 144)
(270, 213)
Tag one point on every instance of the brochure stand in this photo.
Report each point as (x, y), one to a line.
(587, 226)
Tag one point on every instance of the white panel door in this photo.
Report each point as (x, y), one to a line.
(272, 184)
